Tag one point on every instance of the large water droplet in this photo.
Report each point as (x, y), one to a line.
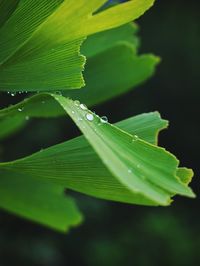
(90, 117)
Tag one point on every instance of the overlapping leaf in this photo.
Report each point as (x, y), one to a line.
(113, 65)
(38, 201)
(146, 172)
(112, 53)
(114, 163)
(35, 198)
(40, 42)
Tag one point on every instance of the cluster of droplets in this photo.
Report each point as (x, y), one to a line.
(89, 116)
(11, 93)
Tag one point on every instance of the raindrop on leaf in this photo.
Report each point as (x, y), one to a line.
(90, 117)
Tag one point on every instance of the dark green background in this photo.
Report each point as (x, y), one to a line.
(116, 234)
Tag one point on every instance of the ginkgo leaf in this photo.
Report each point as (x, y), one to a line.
(6, 9)
(40, 45)
(40, 42)
(114, 72)
(145, 174)
(145, 169)
(34, 199)
(146, 126)
(128, 71)
(10, 125)
(105, 40)
(39, 201)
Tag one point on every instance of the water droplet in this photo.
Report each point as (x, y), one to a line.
(104, 119)
(77, 103)
(135, 138)
(73, 112)
(83, 106)
(12, 94)
(80, 119)
(129, 171)
(58, 92)
(27, 118)
(90, 117)
(20, 109)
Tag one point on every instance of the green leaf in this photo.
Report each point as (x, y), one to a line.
(141, 173)
(38, 201)
(185, 175)
(6, 9)
(114, 72)
(10, 125)
(41, 51)
(143, 168)
(113, 65)
(24, 202)
(103, 41)
(112, 82)
(146, 126)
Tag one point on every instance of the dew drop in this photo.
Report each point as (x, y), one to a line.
(90, 117)
(58, 93)
(129, 171)
(20, 109)
(104, 119)
(27, 118)
(83, 106)
(73, 112)
(77, 103)
(135, 138)
(13, 94)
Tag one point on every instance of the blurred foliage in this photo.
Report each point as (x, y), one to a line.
(117, 234)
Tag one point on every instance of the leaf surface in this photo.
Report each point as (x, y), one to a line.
(146, 173)
(40, 42)
(41, 202)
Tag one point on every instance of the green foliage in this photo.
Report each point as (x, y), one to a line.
(42, 52)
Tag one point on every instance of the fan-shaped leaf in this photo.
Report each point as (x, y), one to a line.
(40, 43)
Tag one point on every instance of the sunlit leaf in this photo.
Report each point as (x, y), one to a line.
(40, 43)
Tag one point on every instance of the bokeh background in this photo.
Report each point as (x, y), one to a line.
(115, 234)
